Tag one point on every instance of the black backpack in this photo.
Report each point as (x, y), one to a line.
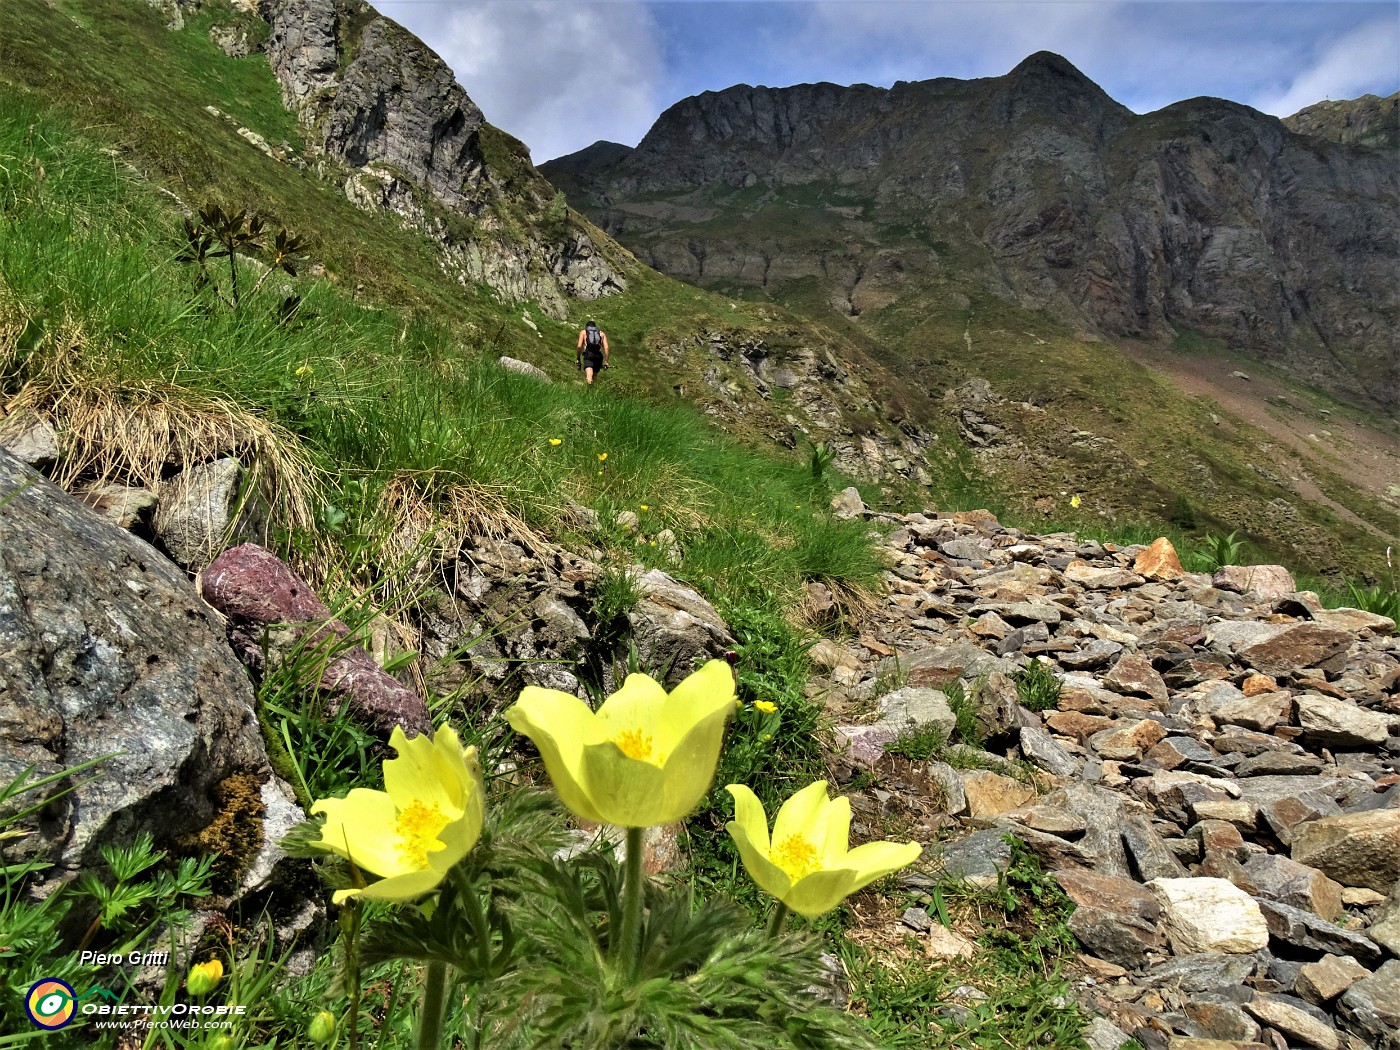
(592, 337)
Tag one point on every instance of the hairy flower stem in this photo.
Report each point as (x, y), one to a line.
(434, 994)
(350, 915)
(476, 915)
(779, 919)
(629, 945)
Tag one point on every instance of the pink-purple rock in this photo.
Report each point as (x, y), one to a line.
(256, 590)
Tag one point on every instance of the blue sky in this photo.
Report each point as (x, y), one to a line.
(560, 74)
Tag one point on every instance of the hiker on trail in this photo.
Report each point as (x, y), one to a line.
(592, 351)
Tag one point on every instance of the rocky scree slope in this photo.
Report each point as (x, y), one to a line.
(1217, 787)
(1037, 187)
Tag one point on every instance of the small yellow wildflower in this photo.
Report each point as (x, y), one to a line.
(304, 370)
(204, 977)
(643, 506)
(1074, 500)
(602, 457)
(556, 441)
(766, 706)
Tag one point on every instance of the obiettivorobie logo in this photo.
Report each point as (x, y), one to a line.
(52, 1004)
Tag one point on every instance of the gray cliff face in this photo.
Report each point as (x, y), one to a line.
(1038, 187)
(404, 137)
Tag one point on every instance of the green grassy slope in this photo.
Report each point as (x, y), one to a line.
(1134, 445)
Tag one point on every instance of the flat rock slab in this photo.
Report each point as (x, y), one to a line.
(916, 708)
(1337, 724)
(1372, 1006)
(1102, 579)
(1302, 930)
(1134, 675)
(1322, 981)
(991, 794)
(1356, 849)
(1257, 581)
(1298, 1024)
(1114, 918)
(1209, 915)
(1295, 646)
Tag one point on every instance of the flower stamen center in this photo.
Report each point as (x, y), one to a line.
(417, 827)
(634, 744)
(795, 855)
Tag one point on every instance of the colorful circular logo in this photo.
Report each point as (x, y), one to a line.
(51, 1003)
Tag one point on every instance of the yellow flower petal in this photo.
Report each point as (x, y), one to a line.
(819, 892)
(556, 441)
(354, 829)
(801, 813)
(766, 706)
(875, 860)
(559, 725)
(749, 815)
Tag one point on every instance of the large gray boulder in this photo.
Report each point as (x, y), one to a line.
(106, 652)
(674, 627)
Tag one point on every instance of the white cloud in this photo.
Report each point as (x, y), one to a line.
(1346, 67)
(556, 75)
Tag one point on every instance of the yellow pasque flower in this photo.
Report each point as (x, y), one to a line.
(643, 758)
(1075, 501)
(766, 706)
(556, 441)
(808, 864)
(602, 457)
(424, 821)
(204, 977)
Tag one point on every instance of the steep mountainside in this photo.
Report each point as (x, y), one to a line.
(1038, 188)
(928, 381)
(1366, 121)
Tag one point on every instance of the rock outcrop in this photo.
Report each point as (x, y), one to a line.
(107, 655)
(1365, 121)
(396, 130)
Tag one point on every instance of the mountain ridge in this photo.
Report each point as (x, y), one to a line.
(1203, 215)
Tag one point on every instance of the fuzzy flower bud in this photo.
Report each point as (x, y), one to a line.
(321, 1030)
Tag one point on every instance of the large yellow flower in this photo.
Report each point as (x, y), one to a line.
(643, 757)
(807, 864)
(424, 821)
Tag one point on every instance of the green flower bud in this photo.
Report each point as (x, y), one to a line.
(321, 1030)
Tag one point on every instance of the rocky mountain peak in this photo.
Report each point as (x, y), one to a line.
(408, 139)
(1365, 121)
